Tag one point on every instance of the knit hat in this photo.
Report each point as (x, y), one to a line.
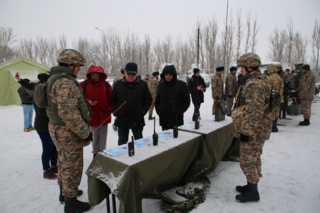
(27, 80)
(306, 67)
(219, 68)
(155, 73)
(147, 74)
(196, 70)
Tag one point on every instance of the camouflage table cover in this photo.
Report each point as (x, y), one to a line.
(150, 171)
(219, 140)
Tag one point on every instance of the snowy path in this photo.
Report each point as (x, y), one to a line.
(290, 167)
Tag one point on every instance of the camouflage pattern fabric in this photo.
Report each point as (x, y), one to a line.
(276, 83)
(307, 86)
(229, 105)
(256, 122)
(231, 90)
(66, 95)
(249, 60)
(153, 85)
(217, 88)
(284, 76)
(72, 57)
(250, 160)
(306, 108)
(117, 79)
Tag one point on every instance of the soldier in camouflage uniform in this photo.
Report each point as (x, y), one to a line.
(264, 75)
(69, 115)
(286, 86)
(153, 84)
(231, 88)
(115, 128)
(276, 83)
(255, 127)
(288, 72)
(217, 86)
(306, 93)
(147, 78)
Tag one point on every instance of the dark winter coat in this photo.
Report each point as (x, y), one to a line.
(193, 84)
(138, 100)
(26, 92)
(172, 101)
(96, 91)
(41, 120)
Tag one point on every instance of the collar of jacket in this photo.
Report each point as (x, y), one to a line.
(132, 84)
(252, 74)
(306, 72)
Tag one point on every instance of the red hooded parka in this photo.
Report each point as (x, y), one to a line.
(96, 91)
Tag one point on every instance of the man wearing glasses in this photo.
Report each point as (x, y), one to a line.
(136, 94)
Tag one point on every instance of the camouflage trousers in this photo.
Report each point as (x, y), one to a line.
(275, 113)
(70, 167)
(229, 105)
(306, 108)
(250, 161)
(213, 108)
(151, 108)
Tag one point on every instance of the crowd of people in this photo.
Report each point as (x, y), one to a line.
(78, 114)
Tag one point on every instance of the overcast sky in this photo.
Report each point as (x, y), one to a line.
(74, 18)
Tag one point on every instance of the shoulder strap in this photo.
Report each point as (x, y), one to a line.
(85, 86)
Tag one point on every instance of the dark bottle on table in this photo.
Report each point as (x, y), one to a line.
(197, 123)
(131, 147)
(175, 128)
(155, 135)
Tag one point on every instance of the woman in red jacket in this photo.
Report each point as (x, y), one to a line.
(98, 92)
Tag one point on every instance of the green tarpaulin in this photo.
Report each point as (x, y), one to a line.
(9, 85)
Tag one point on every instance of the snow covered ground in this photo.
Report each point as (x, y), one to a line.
(290, 167)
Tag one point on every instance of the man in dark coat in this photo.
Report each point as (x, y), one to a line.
(196, 88)
(172, 100)
(135, 92)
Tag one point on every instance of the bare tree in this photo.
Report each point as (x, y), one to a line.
(239, 34)
(42, 46)
(255, 31)
(315, 41)
(52, 52)
(300, 44)
(248, 35)
(290, 44)
(277, 43)
(7, 38)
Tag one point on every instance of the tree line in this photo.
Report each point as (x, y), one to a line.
(216, 47)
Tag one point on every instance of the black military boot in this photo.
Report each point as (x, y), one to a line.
(306, 122)
(61, 198)
(274, 126)
(242, 189)
(75, 206)
(284, 114)
(252, 195)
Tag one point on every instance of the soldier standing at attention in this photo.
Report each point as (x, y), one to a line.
(217, 86)
(306, 93)
(231, 88)
(276, 83)
(114, 127)
(255, 127)
(153, 85)
(68, 127)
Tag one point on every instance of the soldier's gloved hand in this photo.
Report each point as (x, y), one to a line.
(89, 138)
(244, 138)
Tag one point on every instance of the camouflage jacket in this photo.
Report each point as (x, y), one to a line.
(231, 85)
(117, 79)
(256, 124)
(153, 84)
(147, 80)
(307, 86)
(67, 96)
(217, 86)
(284, 76)
(276, 83)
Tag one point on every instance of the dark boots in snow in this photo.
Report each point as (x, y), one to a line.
(274, 126)
(75, 206)
(48, 174)
(61, 198)
(252, 195)
(306, 122)
(242, 189)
